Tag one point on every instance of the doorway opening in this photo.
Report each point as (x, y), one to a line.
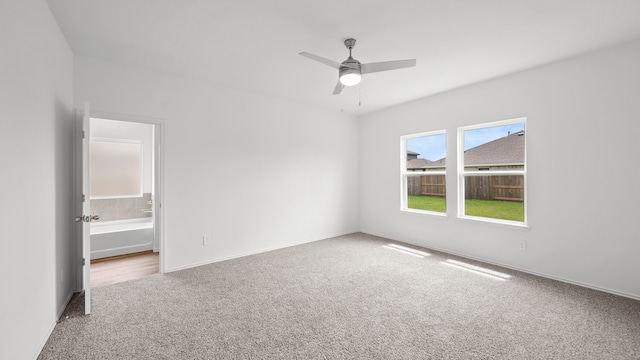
(124, 197)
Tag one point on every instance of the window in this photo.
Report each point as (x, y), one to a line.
(423, 172)
(492, 172)
(116, 168)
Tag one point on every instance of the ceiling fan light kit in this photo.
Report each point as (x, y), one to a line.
(351, 70)
(350, 77)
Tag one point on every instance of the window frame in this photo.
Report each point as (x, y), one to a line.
(462, 173)
(404, 174)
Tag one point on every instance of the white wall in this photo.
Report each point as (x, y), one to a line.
(124, 130)
(583, 123)
(36, 69)
(253, 172)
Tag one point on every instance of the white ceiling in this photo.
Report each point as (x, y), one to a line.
(254, 44)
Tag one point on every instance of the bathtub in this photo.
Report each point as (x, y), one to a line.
(111, 238)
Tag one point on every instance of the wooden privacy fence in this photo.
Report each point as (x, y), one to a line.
(499, 187)
(504, 187)
(426, 185)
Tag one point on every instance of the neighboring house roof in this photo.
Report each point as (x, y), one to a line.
(502, 151)
(412, 155)
(418, 164)
(507, 150)
(438, 163)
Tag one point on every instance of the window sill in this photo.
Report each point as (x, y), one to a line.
(506, 224)
(438, 215)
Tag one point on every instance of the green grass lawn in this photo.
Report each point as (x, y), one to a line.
(496, 209)
(429, 203)
(505, 210)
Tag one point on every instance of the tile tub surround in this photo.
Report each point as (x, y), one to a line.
(121, 208)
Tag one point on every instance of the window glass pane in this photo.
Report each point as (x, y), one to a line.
(496, 197)
(426, 154)
(116, 169)
(494, 148)
(426, 192)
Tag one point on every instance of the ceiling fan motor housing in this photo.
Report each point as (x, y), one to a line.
(349, 66)
(350, 72)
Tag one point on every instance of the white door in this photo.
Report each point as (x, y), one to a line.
(85, 218)
(156, 193)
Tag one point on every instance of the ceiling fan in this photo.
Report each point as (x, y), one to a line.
(351, 70)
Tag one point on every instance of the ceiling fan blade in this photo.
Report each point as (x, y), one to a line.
(387, 65)
(331, 63)
(338, 88)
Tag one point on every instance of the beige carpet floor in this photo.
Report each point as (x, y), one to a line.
(350, 297)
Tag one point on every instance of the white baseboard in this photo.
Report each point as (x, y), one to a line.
(552, 277)
(207, 262)
(64, 305)
(43, 342)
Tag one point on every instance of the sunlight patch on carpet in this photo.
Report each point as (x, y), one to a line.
(406, 250)
(477, 269)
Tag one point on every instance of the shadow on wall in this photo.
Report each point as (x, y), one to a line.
(65, 239)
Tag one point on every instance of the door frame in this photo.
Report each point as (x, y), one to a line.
(159, 188)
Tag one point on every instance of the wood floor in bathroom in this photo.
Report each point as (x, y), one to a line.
(117, 269)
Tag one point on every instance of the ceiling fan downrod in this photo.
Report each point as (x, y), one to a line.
(350, 43)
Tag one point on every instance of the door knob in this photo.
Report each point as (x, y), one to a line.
(86, 218)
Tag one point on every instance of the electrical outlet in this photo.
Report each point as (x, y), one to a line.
(206, 240)
(523, 245)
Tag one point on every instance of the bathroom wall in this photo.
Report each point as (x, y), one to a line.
(122, 208)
